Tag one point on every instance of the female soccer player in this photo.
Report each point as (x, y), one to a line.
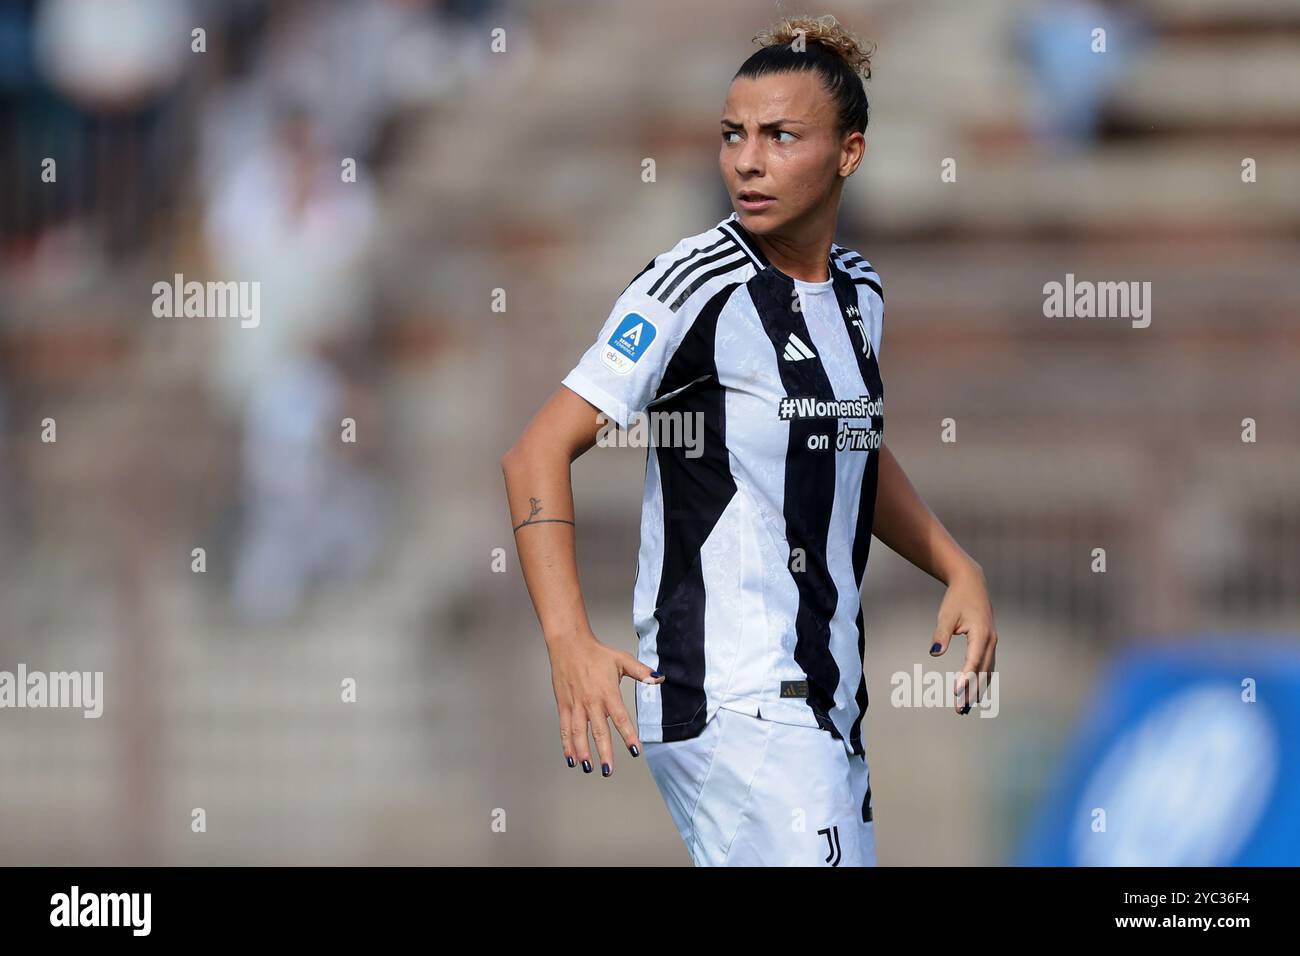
(755, 344)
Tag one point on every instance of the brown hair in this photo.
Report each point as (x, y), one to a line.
(823, 46)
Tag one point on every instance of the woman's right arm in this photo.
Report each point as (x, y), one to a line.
(584, 672)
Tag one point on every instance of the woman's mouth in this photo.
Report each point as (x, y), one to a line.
(753, 201)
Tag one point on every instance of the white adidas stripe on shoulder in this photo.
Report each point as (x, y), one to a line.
(696, 261)
(854, 265)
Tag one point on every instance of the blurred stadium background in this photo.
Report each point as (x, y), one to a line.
(521, 170)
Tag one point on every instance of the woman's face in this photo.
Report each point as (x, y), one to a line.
(779, 140)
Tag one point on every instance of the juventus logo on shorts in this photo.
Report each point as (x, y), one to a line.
(832, 834)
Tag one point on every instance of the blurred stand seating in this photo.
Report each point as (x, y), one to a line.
(522, 171)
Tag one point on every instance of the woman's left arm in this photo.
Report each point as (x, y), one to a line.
(906, 525)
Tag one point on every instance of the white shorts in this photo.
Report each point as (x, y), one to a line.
(754, 792)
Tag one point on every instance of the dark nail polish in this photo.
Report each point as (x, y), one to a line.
(656, 674)
(569, 760)
(586, 766)
(604, 770)
(634, 751)
(935, 647)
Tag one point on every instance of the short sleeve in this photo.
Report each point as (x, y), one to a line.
(621, 371)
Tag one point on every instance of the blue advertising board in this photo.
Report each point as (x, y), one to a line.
(1187, 754)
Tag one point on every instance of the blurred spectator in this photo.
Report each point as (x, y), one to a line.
(397, 54)
(114, 56)
(1073, 80)
(283, 216)
(311, 514)
(117, 66)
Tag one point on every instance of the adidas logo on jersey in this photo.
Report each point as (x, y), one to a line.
(796, 351)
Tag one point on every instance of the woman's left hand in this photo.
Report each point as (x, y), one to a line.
(966, 609)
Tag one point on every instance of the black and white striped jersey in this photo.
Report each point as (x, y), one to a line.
(754, 538)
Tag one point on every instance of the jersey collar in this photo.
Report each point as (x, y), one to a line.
(731, 225)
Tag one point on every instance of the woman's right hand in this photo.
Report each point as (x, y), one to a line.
(586, 675)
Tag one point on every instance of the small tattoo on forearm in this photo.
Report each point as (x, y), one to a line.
(535, 508)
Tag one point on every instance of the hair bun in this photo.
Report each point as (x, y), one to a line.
(827, 33)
